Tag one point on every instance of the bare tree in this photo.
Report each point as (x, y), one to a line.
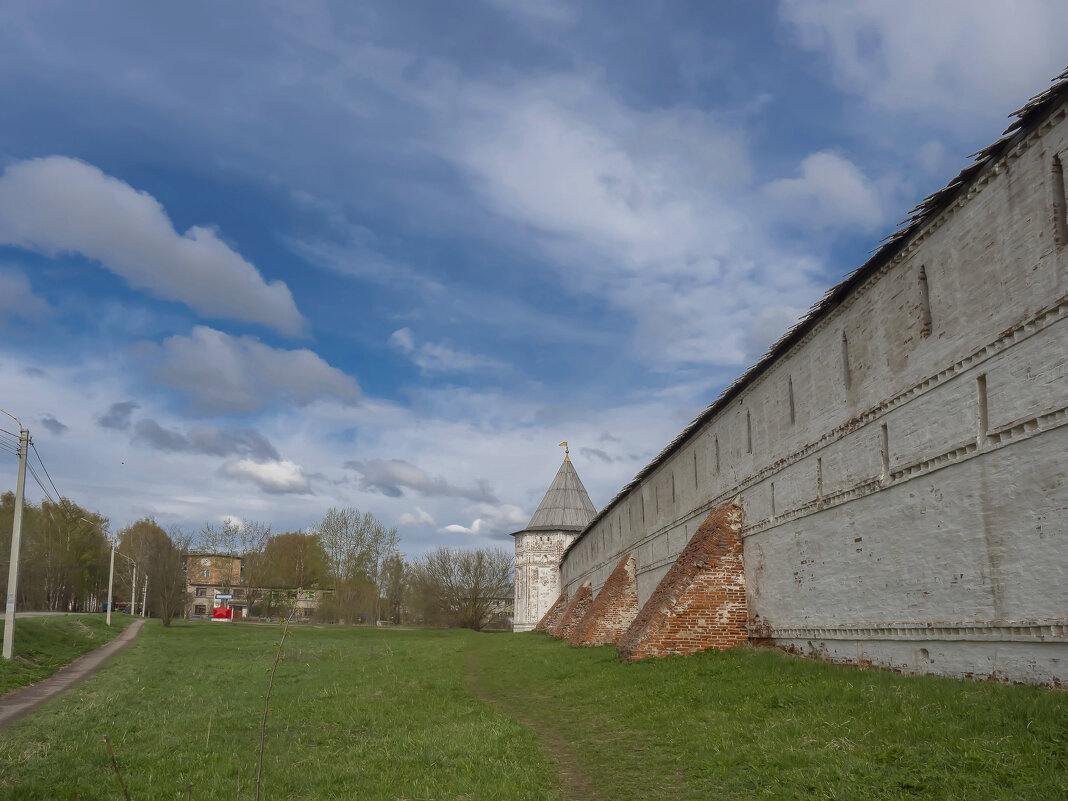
(244, 538)
(461, 587)
(357, 545)
(394, 581)
(166, 563)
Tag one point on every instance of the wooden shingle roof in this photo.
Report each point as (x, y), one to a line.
(566, 505)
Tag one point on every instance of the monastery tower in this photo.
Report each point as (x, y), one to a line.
(561, 516)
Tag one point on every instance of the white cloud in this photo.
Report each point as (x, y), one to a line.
(831, 192)
(951, 57)
(61, 205)
(492, 519)
(220, 373)
(651, 211)
(274, 477)
(17, 298)
(417, 517)
(564, 157)
(403, 339)
(440, 357)
(473, 435)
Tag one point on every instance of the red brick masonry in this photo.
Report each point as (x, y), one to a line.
(700, 603)
(613, 610)
(553, 615)
(576, 610)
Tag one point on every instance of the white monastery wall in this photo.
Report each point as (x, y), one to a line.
(902, 468)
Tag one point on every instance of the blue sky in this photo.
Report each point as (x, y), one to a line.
(260, 259)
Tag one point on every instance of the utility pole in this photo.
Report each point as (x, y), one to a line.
(144, 598)
(16, 542)
(111, 580)
(133, 591)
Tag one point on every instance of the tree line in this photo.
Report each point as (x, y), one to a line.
(350, 558)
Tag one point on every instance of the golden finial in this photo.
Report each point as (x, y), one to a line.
(567, 453)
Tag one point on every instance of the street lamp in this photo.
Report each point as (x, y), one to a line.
(133, 582)
(111, 569)
(114, 542)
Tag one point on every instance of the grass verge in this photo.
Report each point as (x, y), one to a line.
(373, 714)
(355, 713)
(756, 723)
(45, 644)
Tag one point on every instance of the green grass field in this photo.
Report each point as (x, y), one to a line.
(427, 714)
(45, 644)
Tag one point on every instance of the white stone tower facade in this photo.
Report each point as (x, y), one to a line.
(561, 516)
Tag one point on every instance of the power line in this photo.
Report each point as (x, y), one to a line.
(9, 432)
(40, 484)
(41, 461)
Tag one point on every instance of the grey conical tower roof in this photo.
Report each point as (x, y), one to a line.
(566, 506)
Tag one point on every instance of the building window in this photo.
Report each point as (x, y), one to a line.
(205, 573)
(202, 592)
(200, 609)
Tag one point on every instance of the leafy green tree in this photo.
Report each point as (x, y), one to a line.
(63, 555)
(294, 559)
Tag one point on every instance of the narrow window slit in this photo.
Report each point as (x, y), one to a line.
(884, 447)
(695, 468)
(672, 489)
(790, 393)
(1060, 213)
(983, 419)
(925, 304)
(819, 482)
(847, 376)
(773, 499)
(748, 432)
(717, 454)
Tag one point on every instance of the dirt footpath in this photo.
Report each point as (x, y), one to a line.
(20, 702)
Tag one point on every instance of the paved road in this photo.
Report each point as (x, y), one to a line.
(20, 702)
